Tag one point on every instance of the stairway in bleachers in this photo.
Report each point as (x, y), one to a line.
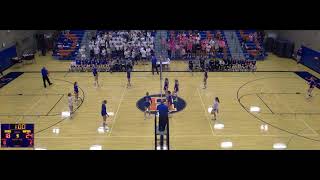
(68, 45)
(234, 45)
(252, 53)
(88, 34)
(160, 50)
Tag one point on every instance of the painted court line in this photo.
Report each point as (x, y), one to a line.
(30, 108)
(205, 111)
(115, 116)
(310, 127)
(184, 136)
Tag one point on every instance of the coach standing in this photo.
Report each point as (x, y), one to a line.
(154, 64)
(44, 73)
(163, 119)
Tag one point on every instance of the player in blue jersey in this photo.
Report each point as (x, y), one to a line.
(129, 76)
(312, 84)
(95, 74)
(104, 115)
(166, 86)
(169, 100)
(76, 91)
(176, 87)
(147, 103)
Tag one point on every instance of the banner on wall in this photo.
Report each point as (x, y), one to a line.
(310, 58)
(6, 55)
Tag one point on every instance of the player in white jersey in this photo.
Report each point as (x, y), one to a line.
(70, 103)
(215, 108)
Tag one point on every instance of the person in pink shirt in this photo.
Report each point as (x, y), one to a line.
(203, 47)
(220, 45)
(183, 53)
(251, 37)
(163, 42)
(172, 48)
(189, 48)
(178, 50)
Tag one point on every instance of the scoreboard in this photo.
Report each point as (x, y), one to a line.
(17, 135)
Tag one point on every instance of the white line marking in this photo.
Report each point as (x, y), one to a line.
(309, 127)
(205, 111)
(189, 136)
(30, 107)
(115, 116)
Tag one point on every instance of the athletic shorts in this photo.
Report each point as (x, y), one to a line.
(214, 110)
(146, 104)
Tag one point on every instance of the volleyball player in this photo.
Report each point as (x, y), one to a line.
(147, 103)
(76, 91)
(129, 76)
(169, 100)
(104, 115)
(175, 100)
(70, 103)
(166, 86)
(95, 74)
(205, 77)
(176, 87)
(215, 108)
(312, 84)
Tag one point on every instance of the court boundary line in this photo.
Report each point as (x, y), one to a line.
(30, 107)
(23, 115)
(186, 136)
(115, 116)
(307, 125)
(163, 71)
(31, 94)
(297, 93)
(264, 103)
(293, 113)
(205, 111)
(256, 117)
(55, 105)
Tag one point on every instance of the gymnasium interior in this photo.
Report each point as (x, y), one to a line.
(261, 77)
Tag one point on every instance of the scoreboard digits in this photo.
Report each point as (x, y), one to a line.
(17, 135)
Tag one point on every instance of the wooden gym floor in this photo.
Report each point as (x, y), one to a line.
(291, 118)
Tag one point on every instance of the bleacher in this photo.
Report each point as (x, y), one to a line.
(253, 51)
(68, 45)
(204, 35)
